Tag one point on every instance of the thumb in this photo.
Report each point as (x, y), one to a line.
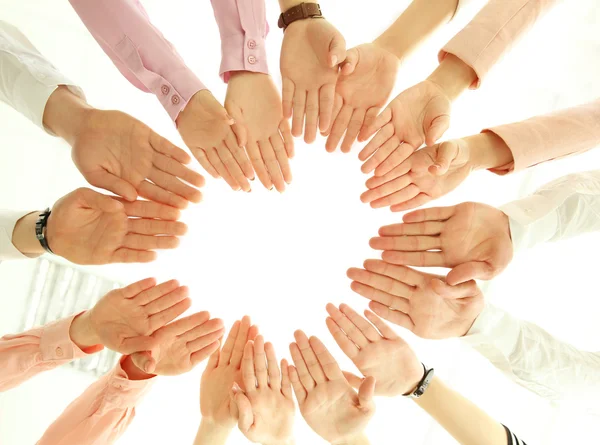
(437, 128)
(354, 380)
(446, 153)
(337, 50)
(144, 361)
(349, 65)
(98, 201)
(241, 134)
(114, 184)
(245, 417)
(136, 344)
(462, 290)
(469, 271)
(366, 391)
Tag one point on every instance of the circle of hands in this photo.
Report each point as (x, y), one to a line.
(341, 93)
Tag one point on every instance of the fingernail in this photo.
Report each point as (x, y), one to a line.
(334, 60)
(147, 367)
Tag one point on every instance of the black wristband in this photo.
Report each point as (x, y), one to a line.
(40, 230)
(423, 384)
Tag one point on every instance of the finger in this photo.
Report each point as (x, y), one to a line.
(376, 181)
(114, 184)
(149, 209)
(166, 301)
(170, 314)
(381, 282)
(155, 193)
(129, 345)
(326, 100)
(437, 129)
(469, 271)
(152, 293)
(260, 362)
(245, 415)
(397, 198)
(258, 163)
(272, 367)
(381, 326)
(339, 127)
(143, 226)
(252, 332)
(268, 154)
(446, 153)
(418, 201)
(138, 287)
(202, 158)
(172, 167)
(297, 385)
(299, 106)
(361, 324)
(215, 160)
(184, 326)
(123, 255)
(288, 140)
(165, 147)
(203, 354)
(213, 360)
(227, 350)
(396, 158)
(145, 242)
(310, 357)
(232, 166)
(370, 117)
(347, 346)
(312, 116)
(378, 123)
(287, 95)
(239, 155)
(282, 157)
(286, 385)
(205, 339)
(430, 214)
(301, 369)
(91, 199)
(144, 361)
(390, 146)
(326, 360)
(391, 301)
(356, 121)
(462, 290)
(382, 136)
(349, 64)
(240, 132)
(420, 259)
(338, 103)
(366, 391)
(413, 243)
(337, 50)
(351, 331)
(240, 342)
(400, 273)
(387, 189)
(248, 373)
(412, 229)
(397, 317)
(354, 380)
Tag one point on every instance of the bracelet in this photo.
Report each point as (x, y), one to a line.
(40, 229)
(423, 384)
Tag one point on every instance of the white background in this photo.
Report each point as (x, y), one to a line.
(281, 258)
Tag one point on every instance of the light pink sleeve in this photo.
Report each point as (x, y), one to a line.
(101, 414)
(22, 356)
(552, 136)
(243, 27)
(493, 32)
(140, 51)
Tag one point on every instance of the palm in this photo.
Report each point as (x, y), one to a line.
(273, 416)
(214, 401)
(173, 357)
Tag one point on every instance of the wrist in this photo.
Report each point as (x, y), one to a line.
(388, 44)
(82, 333)
(24, 238)
(133, 372)
(453, 76)
(359, 439)
(211, 433)
(487, 150)
(65, 114)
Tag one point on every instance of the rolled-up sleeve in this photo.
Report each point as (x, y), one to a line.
(101, 414)
(22, 356)
(140, 51)
(243, 28)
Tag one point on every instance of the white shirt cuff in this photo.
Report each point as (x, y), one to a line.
(8, 220)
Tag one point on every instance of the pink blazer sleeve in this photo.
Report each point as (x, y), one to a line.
(22, 356)
(493, 32)
(552, 136)
(140, 51)
(101, 414)
(243, 27)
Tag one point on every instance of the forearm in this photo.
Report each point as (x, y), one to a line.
(361, 439)
(24, 238)
(419, 21)
(463, 420)
(65, 113)
(453, 76)
(210, 433)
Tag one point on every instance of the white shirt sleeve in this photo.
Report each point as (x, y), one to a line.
(27, 79)
(8, 220)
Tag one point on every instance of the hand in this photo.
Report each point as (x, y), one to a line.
(116, 152)
(266, 409)
(473, 239)
(327, 401)
(420, 114)
(124, 318)
(86, 227)
(222, 372)
(310, 53)
(216, 140)
(376, 351)
(418, 180)
(183, 344)
(254, 102)
(418, 301)
(364, 86)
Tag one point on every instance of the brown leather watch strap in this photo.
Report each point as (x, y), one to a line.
(299, 12)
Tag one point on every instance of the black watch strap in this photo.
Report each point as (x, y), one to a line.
(423, 384)
(40, 230)
(299, 12)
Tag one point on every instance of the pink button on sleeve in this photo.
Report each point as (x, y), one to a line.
(243, 28)
(140, 51)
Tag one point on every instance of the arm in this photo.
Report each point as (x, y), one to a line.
(28, 80)
(17, 235)
(139, 50)
(555, 371)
